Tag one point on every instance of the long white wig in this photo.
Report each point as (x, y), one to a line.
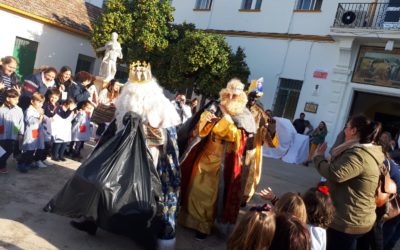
(148, 101)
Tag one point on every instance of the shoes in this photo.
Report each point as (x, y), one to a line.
(3, 171)
(63, 159)
(200, 236)
(305, 163)
(55, 158)
(41, 164)
(87, 226)
(243, 204)
(22, 167)
(47, 162)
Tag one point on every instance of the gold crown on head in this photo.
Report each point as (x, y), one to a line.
(140, 72)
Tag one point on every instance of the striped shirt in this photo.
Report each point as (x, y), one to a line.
(7, 81)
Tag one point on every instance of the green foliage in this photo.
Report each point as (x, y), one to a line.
(238, 67)
(117, 17)
(181, 57)
(143, 26)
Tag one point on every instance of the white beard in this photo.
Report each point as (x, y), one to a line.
(148, 101)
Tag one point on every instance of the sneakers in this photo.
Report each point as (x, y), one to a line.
(55, 159)
(47, 162)
(41, 164)
(3, 171)
(22, 167)
(63, 159)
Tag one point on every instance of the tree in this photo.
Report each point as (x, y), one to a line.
(238, 67)
(143, 26)
(201, 60)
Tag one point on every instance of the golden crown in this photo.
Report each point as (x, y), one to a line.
(140, 72)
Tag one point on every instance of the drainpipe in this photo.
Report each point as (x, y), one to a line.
(371, 12)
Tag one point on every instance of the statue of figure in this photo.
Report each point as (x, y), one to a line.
(108, 66)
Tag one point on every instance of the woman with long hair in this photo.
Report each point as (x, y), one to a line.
(63, 79)
(317, 137)
(8, 77)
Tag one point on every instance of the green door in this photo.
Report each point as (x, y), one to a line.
(25, 51)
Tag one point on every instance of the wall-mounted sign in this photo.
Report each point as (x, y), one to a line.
(311, 107)
(321, 74)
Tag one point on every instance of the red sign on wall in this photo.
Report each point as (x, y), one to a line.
(320, 74)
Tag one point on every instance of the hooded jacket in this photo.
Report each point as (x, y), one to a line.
(353, 179)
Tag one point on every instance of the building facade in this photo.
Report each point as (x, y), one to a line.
(324, 58)
(48, 33)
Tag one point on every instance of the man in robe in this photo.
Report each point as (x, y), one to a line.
(212, 162)
(265, 134)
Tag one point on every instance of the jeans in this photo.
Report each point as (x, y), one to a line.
(391, 233)
(58, 150)
(341, 241)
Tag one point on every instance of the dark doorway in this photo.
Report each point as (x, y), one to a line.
(382, 108)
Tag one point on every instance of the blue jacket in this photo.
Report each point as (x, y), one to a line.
(78, 92)
(394, 173)
(32, 83)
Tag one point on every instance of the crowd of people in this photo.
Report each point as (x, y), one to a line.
(160, 162)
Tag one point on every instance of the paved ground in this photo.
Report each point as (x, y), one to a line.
(23, 225)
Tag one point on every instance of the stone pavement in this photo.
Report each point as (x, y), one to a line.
(23, 224)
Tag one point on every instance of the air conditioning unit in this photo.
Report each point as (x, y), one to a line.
(354, 18)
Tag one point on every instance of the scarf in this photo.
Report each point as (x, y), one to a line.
(343, 147)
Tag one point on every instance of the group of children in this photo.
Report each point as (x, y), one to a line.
(45, 126)
(294, 222)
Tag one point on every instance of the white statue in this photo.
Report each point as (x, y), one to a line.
(108, 66)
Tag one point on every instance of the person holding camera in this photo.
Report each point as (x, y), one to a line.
(183, 110)
(266, 134)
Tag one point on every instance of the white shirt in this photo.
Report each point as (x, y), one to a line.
(318, 237)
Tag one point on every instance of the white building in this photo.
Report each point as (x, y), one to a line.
(326, 57)
(54, 34)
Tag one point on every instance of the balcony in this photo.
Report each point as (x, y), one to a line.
(372, 16)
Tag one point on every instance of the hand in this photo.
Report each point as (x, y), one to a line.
(321, 149)
(2, 86)
(211, 117)
(72, 106)
(61, 88)
(17, 88)
(267, 194)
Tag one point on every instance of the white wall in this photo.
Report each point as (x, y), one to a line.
(56, 47)
(274, 17)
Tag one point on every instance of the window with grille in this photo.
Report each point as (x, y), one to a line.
(286, 98)
(203, 4)
(308, 4)
(85, 63)
(251, 5)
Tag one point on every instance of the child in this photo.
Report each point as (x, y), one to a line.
(320, 214)
(11, 126)
(61, 129)
(33, 137)
(49, 107)
(289, 203)
(254, 232)
(81, 129)
(290, 234)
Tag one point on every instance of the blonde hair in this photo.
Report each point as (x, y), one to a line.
(254, 232)
(37, 97)
(293, 204)
(233, 98)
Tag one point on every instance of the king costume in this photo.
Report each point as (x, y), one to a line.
(130, 184)
(212, 162)
(265, 135)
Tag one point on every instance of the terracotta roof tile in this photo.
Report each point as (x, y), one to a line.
(76, 14)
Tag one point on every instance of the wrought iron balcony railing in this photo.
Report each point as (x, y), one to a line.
(368, 15)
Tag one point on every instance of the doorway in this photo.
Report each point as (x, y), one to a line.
(382, 108)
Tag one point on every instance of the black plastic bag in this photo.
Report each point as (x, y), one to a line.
(117, 186)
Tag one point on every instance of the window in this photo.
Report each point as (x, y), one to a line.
(309, 5)
(203, 4)
(25, 51)
(251, 5)
(287, 97)
(85, 63)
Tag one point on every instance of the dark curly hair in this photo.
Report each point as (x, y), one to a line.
(319, 208)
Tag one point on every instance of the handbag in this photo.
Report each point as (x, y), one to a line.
(103, 114)
(387, 188)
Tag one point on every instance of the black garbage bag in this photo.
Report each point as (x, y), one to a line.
(117, 186)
